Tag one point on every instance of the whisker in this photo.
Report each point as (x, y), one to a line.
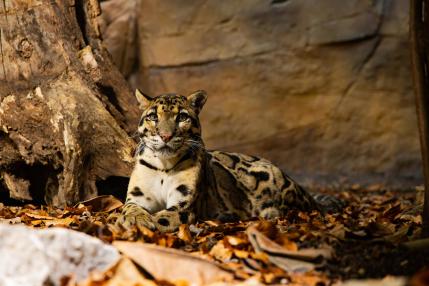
(194, 145)
(139, 148)
(135, 134)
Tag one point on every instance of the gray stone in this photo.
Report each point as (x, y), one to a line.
(43, 257)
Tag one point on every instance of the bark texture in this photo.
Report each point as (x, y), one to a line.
(65, 109)
(419, 36)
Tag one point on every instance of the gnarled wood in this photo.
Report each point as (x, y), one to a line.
(64, 108)
(419, 34)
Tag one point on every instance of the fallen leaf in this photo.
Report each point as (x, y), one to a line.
(36, 222)
(293, 261)
(338, 231)
(236, 241)
(184, 233)
(105, 203)
(59, 222)
(123, 274)
(170, 264)
(287, 243)
(146, 232)
(212, 223)
(37, 216)
(241, 253)
(309, 280)
(220, 252)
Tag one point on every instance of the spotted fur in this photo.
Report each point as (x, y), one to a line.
(176, 180)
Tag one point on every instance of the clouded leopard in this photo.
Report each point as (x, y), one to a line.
(176, 180)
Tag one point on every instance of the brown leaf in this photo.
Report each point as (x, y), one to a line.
(261, 256)
(236, 241)
(168, 240)
(381, 228)
(171, 264)
(268, 228)
(338, 231)
(123, 274)
(36, 222)
(286, 243)
(241, 253)
(184, 233)
(104, 203)
(293, 261)
(309, 280)
(59, 222)
(37, 216)
(212, 223)
(221, 252)
(146, 232)
(392, 212)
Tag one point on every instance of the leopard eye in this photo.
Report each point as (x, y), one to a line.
(182, 117)
(152, 117)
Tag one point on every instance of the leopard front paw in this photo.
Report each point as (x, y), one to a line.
(134, 215)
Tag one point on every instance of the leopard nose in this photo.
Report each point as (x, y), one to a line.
(166, 136)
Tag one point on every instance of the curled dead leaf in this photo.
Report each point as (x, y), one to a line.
(236, 241)
(105, 203)
(171, 264)
(123, 274)
(293, 261)
(221, 252)
(184, 233)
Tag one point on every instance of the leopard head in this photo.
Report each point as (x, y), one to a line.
(170, 123)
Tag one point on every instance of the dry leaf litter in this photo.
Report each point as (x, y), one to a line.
(374, 237)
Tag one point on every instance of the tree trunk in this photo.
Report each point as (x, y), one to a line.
(65, 109)
(419, 35)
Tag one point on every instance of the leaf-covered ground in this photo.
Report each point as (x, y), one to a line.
(370, 238)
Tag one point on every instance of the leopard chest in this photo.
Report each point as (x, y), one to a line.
(161, 189)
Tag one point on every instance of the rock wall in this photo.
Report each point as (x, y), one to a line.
(322, 88)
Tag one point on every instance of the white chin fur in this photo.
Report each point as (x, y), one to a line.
(166, 151)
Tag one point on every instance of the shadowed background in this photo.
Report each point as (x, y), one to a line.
(321, 88)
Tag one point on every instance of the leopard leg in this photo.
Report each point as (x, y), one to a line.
(133, 214)
(270, 212)
(170, 220)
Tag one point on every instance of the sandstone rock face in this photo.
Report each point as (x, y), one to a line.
(321, 88)
(119, 28)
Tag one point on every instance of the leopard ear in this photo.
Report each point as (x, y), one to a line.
(143, 99)
(197, 100)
